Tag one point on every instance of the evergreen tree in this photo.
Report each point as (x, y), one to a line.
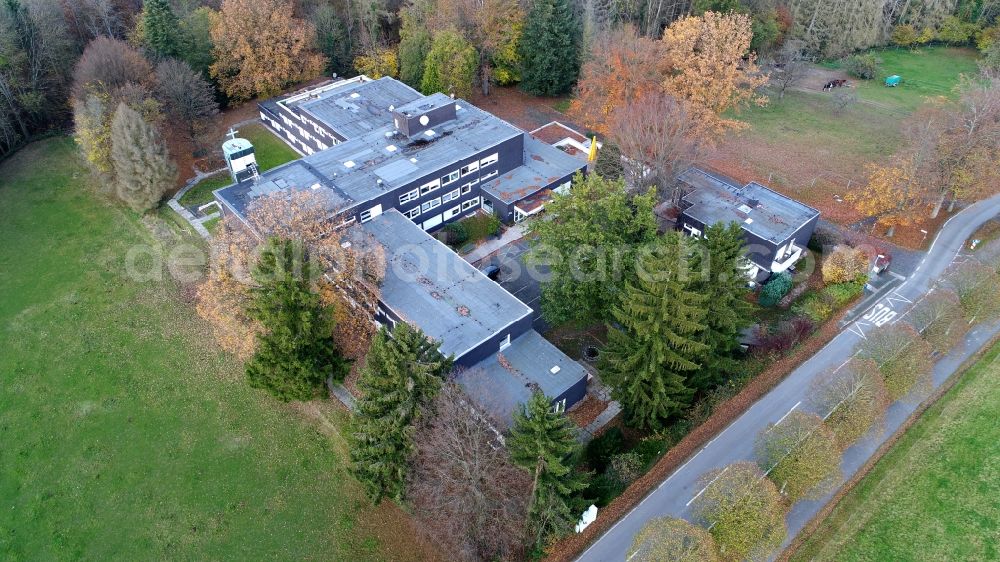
(543, 442)
(609, 162)
(160, 28)
(550, 48)
(414, 45)
(332, 39)
(142, 166)
(723, 284)
(656, 343)
(402, 373)
(295, 352)
(450, 66)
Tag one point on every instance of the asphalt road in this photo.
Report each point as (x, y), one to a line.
(674, 495)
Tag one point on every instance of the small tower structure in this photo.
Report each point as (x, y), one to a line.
(240, 158)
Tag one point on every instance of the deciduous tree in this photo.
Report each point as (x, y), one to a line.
(109, 64)
(978, 290)
(791, 66)
(660, 136)
(709, 64)
(902, 356)
(800, 455)
(142, 166)
(672, 538)
(940, 320)
(450, 66)
(542, 441)
(466, 493)
(891, 194)
(657, 341)
(260, 47)
(550, 48)
(743, 510)
(401, 375)
(294, 355)
(845, 265)
(852, 399)
(377, 62)
(189, 100)
(591, 248)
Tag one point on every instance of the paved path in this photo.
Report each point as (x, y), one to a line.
(511, 235)
(735, 443)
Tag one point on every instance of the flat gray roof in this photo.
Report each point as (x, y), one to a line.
(498, 386)
(357, 108)
(431, 287)
(354, 168)
(543, 165)
(758, 209)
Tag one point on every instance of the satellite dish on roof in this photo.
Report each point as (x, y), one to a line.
(392, 108)
(424, 120)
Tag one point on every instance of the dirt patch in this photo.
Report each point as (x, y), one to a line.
(817, 77)
(586, 411)
(526, 111)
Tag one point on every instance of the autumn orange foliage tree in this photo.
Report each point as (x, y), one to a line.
(260, 47)
(704, 60)
(891, 194)
(349, 284)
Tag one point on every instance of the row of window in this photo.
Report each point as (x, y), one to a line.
(452, 177)
(451, 213)
(438, 201)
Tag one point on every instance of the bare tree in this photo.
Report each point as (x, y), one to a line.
(791, 66)
(852, 400)
(842, 100)
(187, 97)
(659, 136)
(939, 319)
(800, 455)
(109, 64)
(903, 359)
(464, 491)
(670, 538)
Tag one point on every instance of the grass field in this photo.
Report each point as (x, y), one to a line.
(201, 193)
(124, 433)
(926, 72)
(936, 494)
(269, 150)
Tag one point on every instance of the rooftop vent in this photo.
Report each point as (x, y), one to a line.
(391, 148)
(349, 164)
(745, 209)
(430, 132)
(315, 186)
(554, 369)
(748, 221)
(355, 95)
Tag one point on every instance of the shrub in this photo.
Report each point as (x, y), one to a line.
(955, 31)
(815, 307)
(650, 449)
(864, 66)
(481, 225)
(843, 293)
(600, 450)
(625, 467)
(785, 335)
(603, 489)
(456, 233)
(845, 264)
(777, 287)
(904, 35)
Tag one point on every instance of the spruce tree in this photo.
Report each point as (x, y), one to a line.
(543, 442)
(295, 352)
(656, 344)
(402, 373)
(723, 283)
(160, 28)
(142, 166)
(550, 48)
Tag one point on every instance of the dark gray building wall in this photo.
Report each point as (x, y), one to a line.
(574, 393)
(273, 116)
(492, 345)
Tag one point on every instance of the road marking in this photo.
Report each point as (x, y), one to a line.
(702, 491)
(788, 412)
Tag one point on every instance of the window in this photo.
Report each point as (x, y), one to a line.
(452, 212)
(445, 180)
(450, 196)
(371, 213)
(466, 188)
(412, 213)
(469, 168)
(485, 177)
(432, 222)
(408, 196)
(429, 187)
(470, 204)
(505, 342)
(347, 222)
(559, 407)
(428, 205)
(489, 160)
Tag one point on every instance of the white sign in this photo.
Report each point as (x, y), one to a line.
(588, 517)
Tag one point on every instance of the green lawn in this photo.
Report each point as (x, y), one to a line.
(926, 72)
(124, 433)
(201, 193)
(269, 150)
(936, 494)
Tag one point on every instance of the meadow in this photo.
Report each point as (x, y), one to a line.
(933, 496)
(124, 432)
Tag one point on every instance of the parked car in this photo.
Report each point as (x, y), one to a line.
(882, 262)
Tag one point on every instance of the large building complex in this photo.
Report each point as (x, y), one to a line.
(394, 164)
